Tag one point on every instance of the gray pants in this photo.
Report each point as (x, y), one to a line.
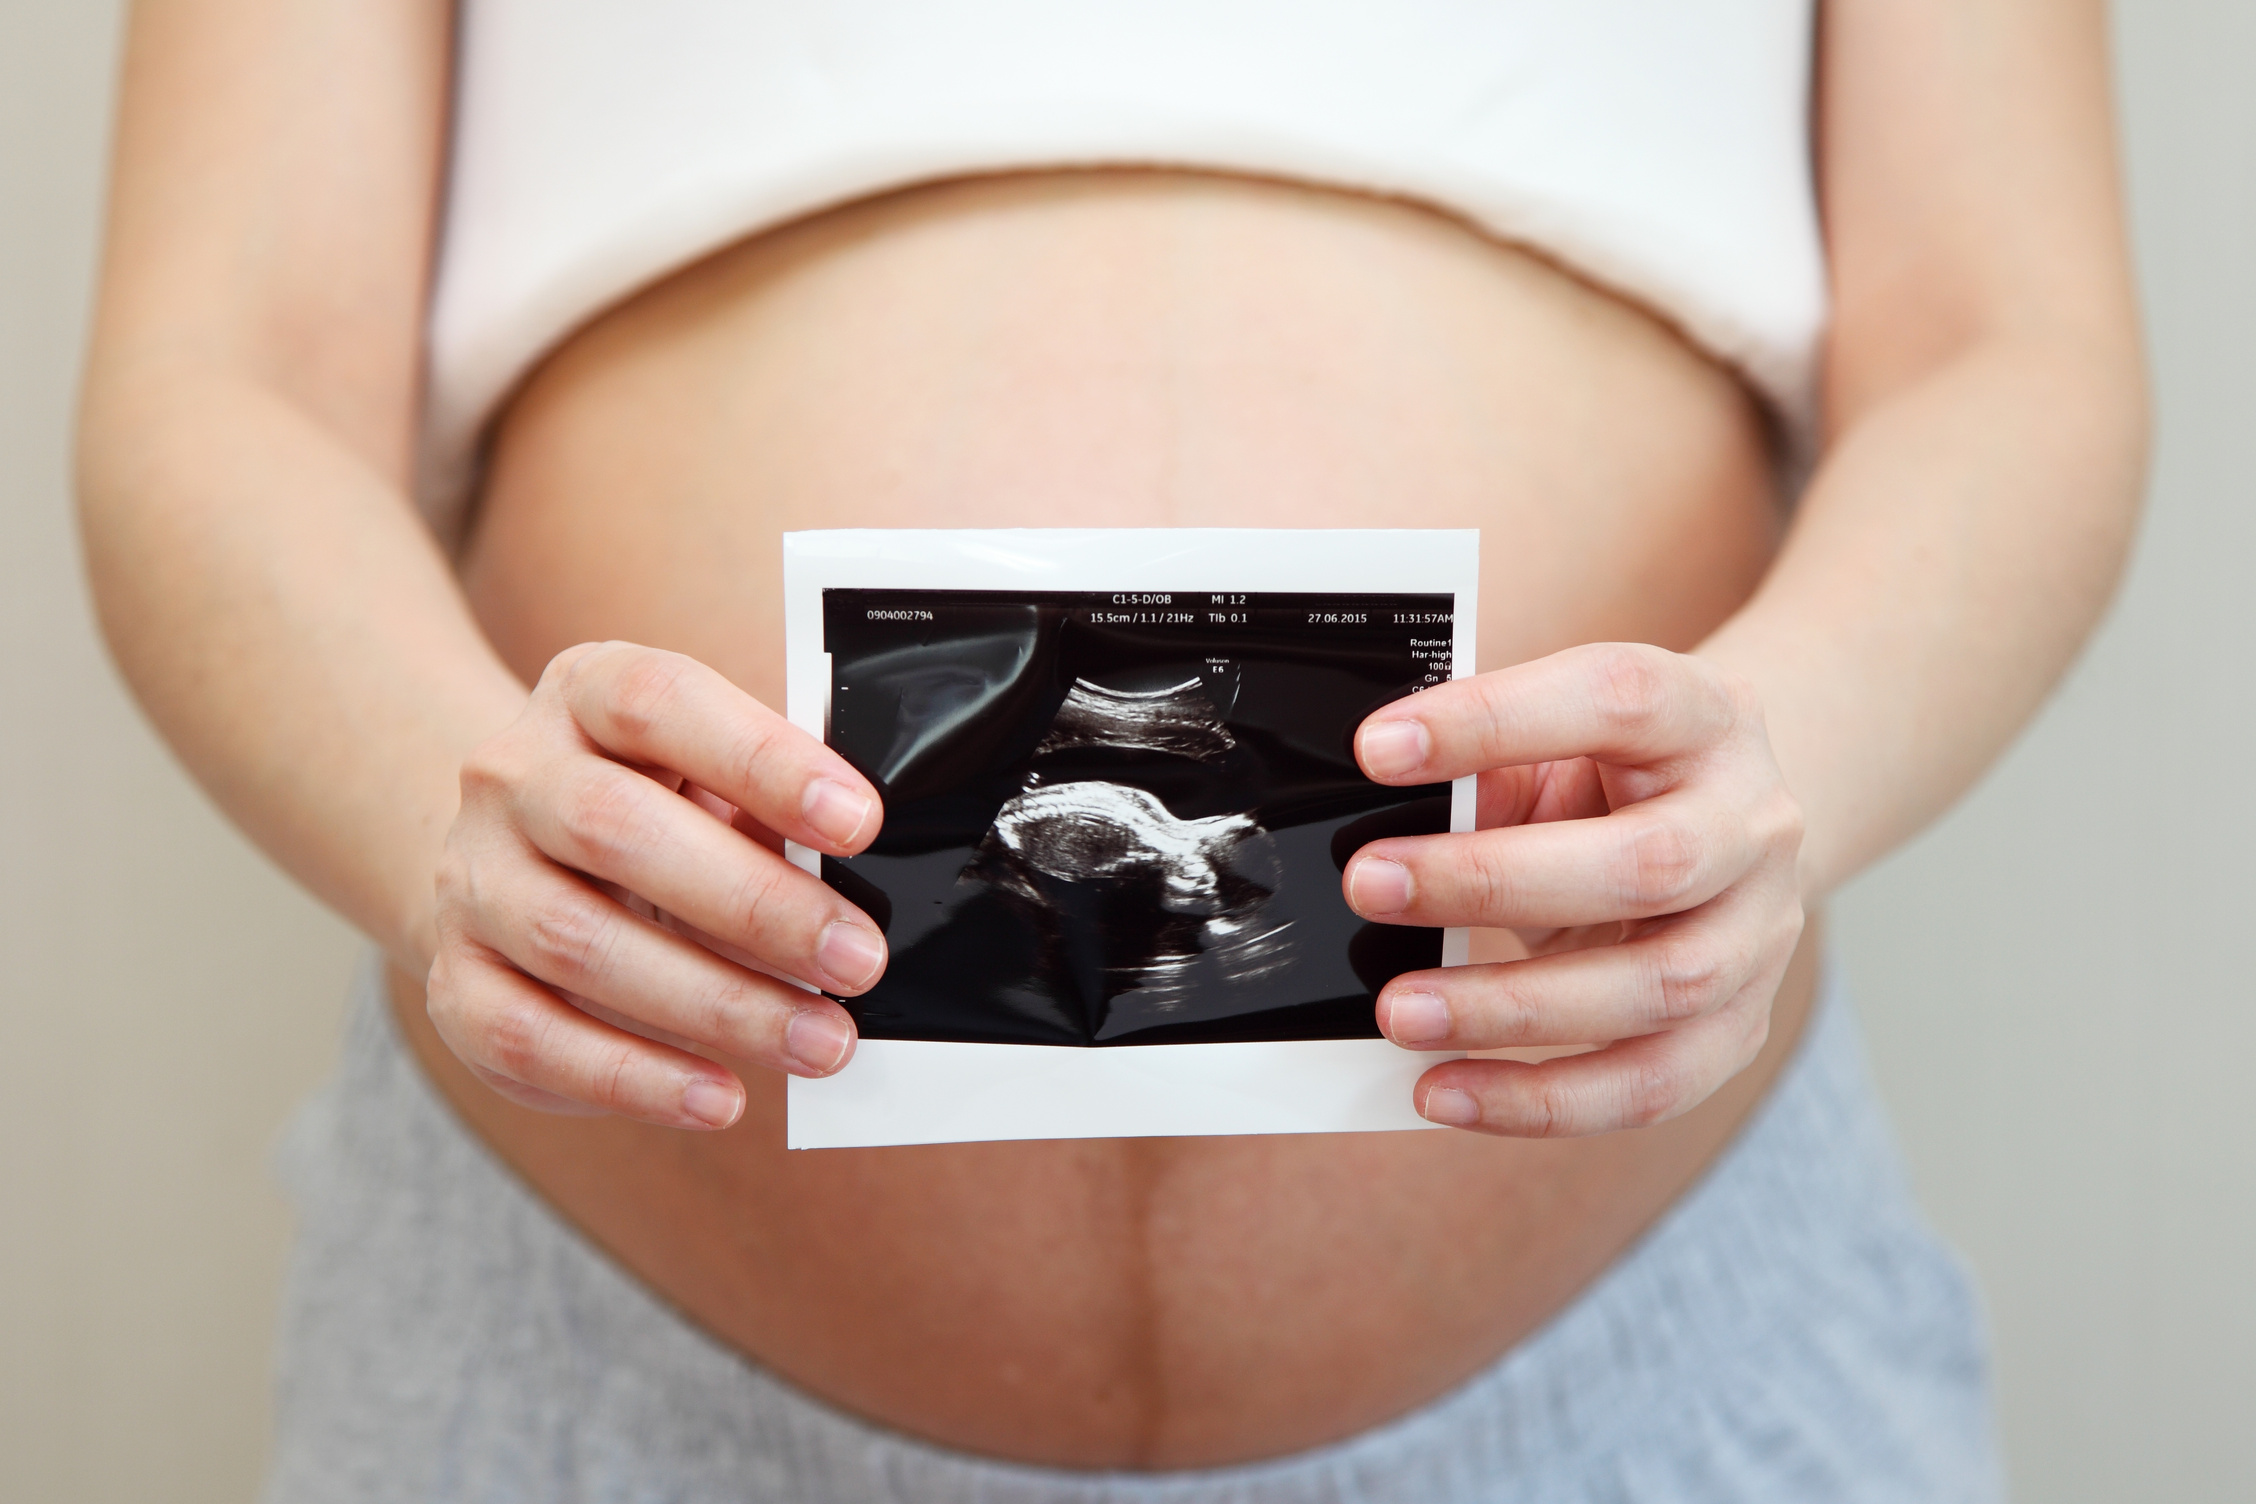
(1790, 1330)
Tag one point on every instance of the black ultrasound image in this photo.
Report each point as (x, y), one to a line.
(1122, 819)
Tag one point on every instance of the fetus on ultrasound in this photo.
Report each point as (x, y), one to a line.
(1178, 902)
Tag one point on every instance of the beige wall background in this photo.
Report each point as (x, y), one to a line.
(2056, 979)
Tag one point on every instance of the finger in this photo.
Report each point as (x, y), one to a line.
(1663, 856)
(561, 931)
(646, 706)
(1676, 971)
(524, 1041)
(619, 826)
(1620, 702)
(1540, 792)
(1633, 1083)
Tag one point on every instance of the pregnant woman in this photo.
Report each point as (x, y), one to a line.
(458, 369)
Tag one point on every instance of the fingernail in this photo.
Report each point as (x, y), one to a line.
(819, 1040)
(850, 955)
(1450, 1107)
(712, 1103)
(1416, 1018)
(1379, 886)
(1389, 749)
(835, 811)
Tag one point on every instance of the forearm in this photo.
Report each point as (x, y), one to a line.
(292, 629)
(1952, 553)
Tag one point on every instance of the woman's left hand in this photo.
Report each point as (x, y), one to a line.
(1636, 831)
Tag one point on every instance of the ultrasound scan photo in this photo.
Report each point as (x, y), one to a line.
(1121, 819)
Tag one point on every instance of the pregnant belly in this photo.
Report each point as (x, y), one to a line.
(1124, 349)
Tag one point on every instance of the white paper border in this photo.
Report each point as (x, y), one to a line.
(897, 1091)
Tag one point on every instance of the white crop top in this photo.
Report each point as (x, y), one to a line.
(1658, 147)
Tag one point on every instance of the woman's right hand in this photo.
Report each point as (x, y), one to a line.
(615, 875)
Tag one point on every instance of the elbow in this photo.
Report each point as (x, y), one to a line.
(138, 542)
(100, 462)
(92, 483)
(2115, 426)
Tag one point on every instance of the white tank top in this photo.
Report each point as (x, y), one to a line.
(1658, 147)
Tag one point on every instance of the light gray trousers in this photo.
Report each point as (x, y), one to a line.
(1790, 1330)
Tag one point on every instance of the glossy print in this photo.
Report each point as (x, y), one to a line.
(1121, 819)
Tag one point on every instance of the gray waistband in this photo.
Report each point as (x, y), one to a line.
(1788, 1330)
